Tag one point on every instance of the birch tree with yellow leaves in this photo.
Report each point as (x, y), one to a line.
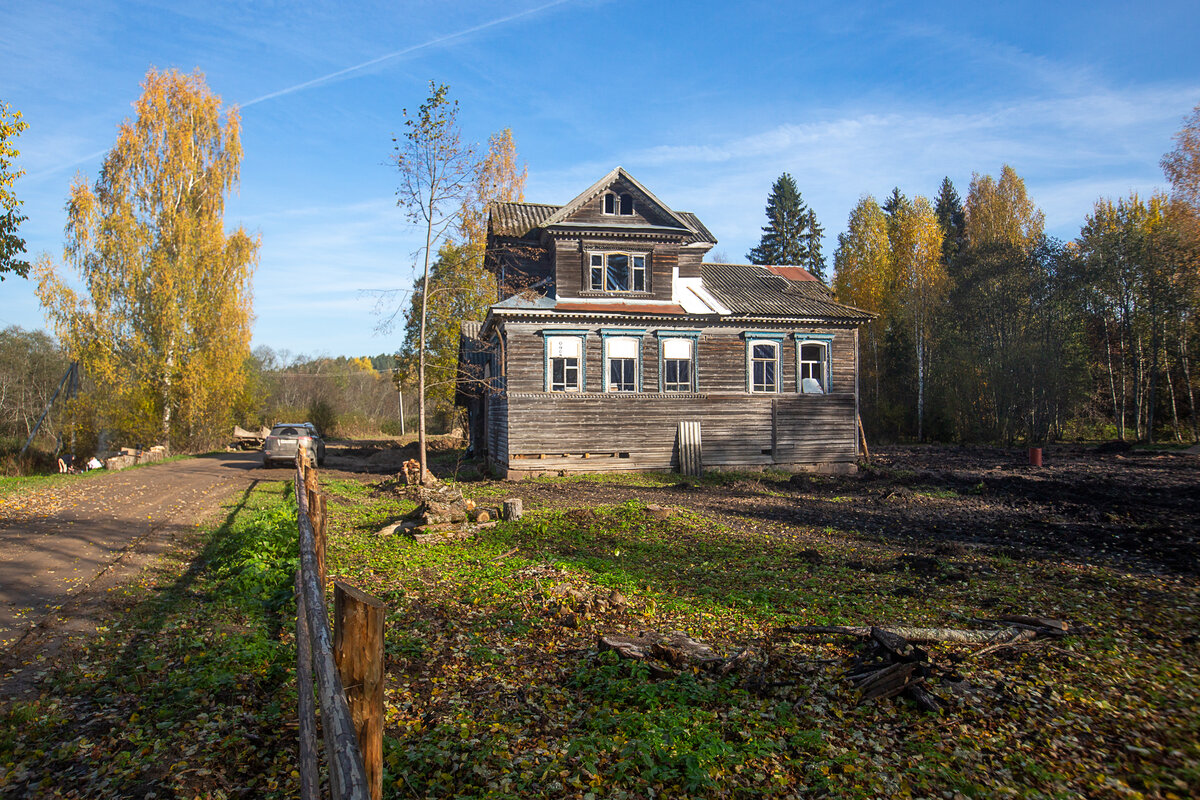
(863, 273)
(161, 325)
(920, 284)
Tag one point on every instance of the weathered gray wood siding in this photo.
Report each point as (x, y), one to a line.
(497, 433)
(690, 259)
(596, 432)
(553, 431)
(720, 359)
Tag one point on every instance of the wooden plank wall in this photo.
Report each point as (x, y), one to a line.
(596, 432)
(497, 433)
(534, 430)
(720, 365)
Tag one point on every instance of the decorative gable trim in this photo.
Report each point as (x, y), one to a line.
(599, 186)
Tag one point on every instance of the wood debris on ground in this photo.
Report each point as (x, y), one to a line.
(891, 664)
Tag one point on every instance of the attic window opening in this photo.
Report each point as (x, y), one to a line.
(617, 272)
(619, 204)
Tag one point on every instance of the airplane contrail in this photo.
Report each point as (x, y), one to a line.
(398, 53)
(330, 77)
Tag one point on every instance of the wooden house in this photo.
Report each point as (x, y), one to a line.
(613, 346)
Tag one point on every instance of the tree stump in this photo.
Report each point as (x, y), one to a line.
(513, 509)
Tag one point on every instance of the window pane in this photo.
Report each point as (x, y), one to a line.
(671, 371)
(622, 374)
(618, 272)
(812, 352)
(764, 351)
(639, 273)
(626, 204)
(559, 366)
(610, 203)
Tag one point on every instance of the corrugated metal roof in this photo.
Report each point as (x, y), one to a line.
(748, 289)
(518, 219)
(702, 234)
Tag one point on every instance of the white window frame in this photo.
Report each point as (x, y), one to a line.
(825, 340)
(756, 339)
(664, 339)
(803, 364)
(624, 341)
(618, 203)
(633, 269)
(580, 384)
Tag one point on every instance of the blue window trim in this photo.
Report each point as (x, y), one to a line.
(620, 333)
(775, 335)
(815, 338)
(662, 337)
(579, 333)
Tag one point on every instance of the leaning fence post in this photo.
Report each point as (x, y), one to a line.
(310, 783)
(358, 651)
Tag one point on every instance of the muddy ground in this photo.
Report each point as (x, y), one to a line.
(1136, 509)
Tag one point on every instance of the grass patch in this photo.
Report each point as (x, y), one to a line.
(490, 696)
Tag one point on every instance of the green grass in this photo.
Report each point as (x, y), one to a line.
(489, 696)
(189, 691)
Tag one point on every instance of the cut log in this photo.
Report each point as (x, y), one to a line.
(924, 635)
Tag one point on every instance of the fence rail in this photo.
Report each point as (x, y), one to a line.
(349, 735)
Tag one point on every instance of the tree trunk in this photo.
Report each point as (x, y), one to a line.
(166, 398)
(421, 352)
(1187, 375)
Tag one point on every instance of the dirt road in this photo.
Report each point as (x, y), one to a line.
(60, 542)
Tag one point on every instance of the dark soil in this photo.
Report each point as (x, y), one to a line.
(1139, 510)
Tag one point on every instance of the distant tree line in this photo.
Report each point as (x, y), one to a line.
(988, 330)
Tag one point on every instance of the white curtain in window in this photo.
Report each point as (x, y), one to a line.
(623, 347)
(677, 348)
(564, 346)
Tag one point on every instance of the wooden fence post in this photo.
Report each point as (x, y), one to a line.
(358, 651)
(321, 531)
(310, 782)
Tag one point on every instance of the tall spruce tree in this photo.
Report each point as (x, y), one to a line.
(953, 221)
(815, 263)
(785, 238)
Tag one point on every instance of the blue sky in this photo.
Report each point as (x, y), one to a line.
(705, 103)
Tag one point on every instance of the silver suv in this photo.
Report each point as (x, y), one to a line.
(281, 445)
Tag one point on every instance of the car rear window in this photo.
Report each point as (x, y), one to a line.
(285, 432)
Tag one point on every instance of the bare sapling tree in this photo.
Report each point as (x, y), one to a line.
(437, 172)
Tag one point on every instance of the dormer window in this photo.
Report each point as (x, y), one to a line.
(620, 204)
(617, 272)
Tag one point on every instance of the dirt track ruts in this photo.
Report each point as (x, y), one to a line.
(58, 542)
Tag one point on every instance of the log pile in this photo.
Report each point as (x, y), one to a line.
(891, 665)
(442, 513)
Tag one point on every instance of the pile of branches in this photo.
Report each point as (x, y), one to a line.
(891, 663)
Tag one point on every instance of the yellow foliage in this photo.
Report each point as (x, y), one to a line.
(163, 327)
